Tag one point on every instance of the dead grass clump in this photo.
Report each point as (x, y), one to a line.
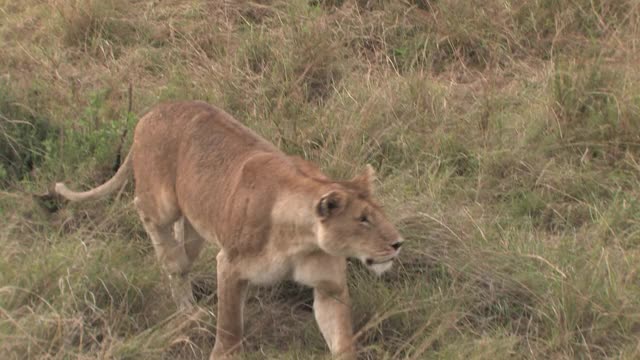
(257, 12)
(98, 26)
(412, 39)
(594, 117)
(257, 53)
(317, 64)
(554, 27)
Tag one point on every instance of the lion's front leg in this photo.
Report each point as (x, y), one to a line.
(333, 314)
(331, 303)
(232, 291)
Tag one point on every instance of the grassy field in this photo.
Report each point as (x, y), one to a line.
(506, 135)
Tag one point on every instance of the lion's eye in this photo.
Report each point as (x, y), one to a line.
(363, 219)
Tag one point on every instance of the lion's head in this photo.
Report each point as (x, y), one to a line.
(352, 224)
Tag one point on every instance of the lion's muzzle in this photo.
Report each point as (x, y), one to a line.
(383, 262)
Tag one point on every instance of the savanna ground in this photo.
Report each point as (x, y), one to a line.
(506, 135)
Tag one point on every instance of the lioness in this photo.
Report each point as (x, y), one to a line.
(273, 216)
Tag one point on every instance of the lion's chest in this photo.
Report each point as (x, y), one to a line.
(274, 265)
(267, 272)
(289, 237)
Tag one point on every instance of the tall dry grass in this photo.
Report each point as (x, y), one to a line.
(506, 136)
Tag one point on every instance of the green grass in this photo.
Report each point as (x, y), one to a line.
(506, 136)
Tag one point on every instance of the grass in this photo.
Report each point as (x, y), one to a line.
(506, 136)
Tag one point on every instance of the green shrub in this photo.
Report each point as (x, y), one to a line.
(22, 136)
(89, 142)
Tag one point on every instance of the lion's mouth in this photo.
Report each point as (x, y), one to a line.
(378, 260)
(371, 261)
(380, 265)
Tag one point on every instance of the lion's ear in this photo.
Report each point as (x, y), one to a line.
(366, 180)
(330, 204)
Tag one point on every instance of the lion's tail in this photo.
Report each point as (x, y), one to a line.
(101, 191)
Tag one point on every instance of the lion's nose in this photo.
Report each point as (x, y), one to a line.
(396, 245)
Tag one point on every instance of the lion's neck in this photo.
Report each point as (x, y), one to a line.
(293, 216)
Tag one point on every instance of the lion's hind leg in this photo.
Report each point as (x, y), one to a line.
(193, 242)
(170, 251)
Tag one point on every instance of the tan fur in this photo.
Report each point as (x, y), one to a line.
(201, 175)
